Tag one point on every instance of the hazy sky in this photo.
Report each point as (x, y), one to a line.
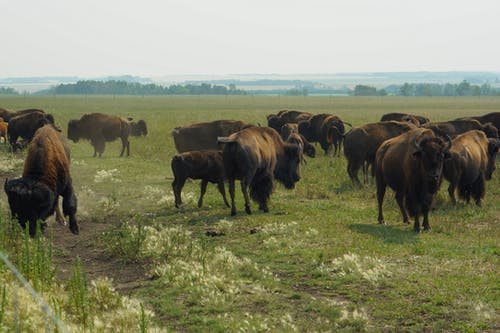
(165, 37)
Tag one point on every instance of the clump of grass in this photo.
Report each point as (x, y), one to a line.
(354, 266)
(127, 241)
(79, 300)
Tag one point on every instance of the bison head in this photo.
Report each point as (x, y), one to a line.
(287, 171)
(493, 146)
(142, 127)
(490, 130)
(306, 130)
(29, 201)
(73, 130)
(431, 152)
(275, 122)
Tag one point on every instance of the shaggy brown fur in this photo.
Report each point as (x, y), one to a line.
(203, 136)
(26, 124)
(46, 176)
(411, 164)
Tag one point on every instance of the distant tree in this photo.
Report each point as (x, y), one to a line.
(406, 89)
(464, 88)
(8, 91)
(362, 90)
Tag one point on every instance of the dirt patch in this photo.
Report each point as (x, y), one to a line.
(95, 261)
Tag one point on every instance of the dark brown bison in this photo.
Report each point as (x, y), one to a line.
(361, 144)
(298, 139)
(203, 136)
(456, 127)
(8, 115)
(25, 126)
(493, 117)
(471, 162)
(405, 117)
(206, 165)
(311, 128)
(411, 164)
(256, 156)
(276, 121)
(99, 128)
(46, 175)
(332, 134)
(138, 128)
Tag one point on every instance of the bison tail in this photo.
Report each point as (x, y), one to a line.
(261, 188)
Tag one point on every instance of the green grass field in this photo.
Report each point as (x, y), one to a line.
(318, 261)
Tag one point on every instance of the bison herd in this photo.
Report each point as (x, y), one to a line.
(406, 152)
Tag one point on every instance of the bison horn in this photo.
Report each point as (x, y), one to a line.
(417, 145)
(348, 124)
(448, 141)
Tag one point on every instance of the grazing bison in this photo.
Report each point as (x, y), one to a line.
(405, 117)
(256, 156)
(298, 139)
(471, 162)
(46, 175)
(138, 128)
(203, 136)
(361, 144)
(25, 125)
(411, 164)
(311, 128)
(276, 121)
(456, 127)
(493, 117)
(206, 165)
(99, 128)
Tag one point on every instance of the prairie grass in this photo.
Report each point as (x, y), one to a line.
(317, 262)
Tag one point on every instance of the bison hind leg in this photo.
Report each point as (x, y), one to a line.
(261, 188)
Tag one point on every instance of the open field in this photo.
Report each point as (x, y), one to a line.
(318, 261)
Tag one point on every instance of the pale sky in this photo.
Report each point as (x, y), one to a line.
(171, 37)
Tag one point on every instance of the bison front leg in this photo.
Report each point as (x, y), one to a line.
(425, 223)
(203, 189)
(177, 186)
(125, 144)
(451, 192)
(416, 225)
(220, 186)
(69, 208)
(59, 216)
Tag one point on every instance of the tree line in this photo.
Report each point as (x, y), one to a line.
(464, 88)
(117, 87)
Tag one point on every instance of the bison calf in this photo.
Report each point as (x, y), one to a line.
(206, 165)
(35, 195)
(471, 162)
